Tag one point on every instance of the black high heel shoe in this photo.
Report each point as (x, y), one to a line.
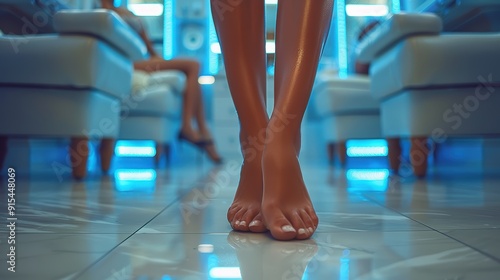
(215, 160)
(200, 144)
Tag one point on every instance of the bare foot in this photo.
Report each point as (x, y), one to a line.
(244, 214)
(287, 209)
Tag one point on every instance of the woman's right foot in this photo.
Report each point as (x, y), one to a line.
(244, 213)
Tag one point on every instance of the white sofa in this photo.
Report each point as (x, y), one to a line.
(68, 84)
(433, 85)
(347, 111)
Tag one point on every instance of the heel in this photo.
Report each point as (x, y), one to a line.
(200, 144)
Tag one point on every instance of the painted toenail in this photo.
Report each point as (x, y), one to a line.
(288, 228)
(302, 231)
(254, 223)
(237, 223)
(311, 230)
(243, 223)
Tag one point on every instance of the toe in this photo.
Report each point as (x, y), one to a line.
(246, 219)
(235, 223)
(231, 212)
(257, 224)
(313, 216)
(300, 226)
(281, 228)
(311, 227)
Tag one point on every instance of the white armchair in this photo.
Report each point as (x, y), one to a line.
(433, 85)
(68, 84)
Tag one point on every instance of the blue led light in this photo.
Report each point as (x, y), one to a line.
(396, 6)
(372, 180)
(367, 148)
(345, 266)
(135, 180)
(342, 38)
(168, 32)
(213, 58)
(367, 174)
(126, 148)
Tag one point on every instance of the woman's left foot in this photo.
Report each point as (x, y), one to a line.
(287, 209)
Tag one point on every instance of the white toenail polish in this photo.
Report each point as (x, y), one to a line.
(311, 229)
(243, 223)
(254, 223)
(302, 231)
(288, 229)
(237, 223)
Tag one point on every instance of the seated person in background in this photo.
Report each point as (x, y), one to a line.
(192, 99)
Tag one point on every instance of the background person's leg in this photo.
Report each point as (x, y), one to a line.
(192, 99)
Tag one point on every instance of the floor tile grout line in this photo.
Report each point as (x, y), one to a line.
(79, 274)
(121, 242)
(433, 229)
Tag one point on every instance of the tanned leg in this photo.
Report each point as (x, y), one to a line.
(301, 32)
(394, 154)
(192, 103)
(241, 33)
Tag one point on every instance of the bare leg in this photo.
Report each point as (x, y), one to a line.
(394, 154)
(3, 150)
(106, 150)
(301, 31)
(79, 153)
(192, 104)
(192, 92)
(241, 33)
(342, 151)
(419, 152)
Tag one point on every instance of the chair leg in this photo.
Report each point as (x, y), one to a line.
(394, 154)
(79, 154)
(330, 150)
(106, 151)
(419, 153)
(159, 151)
(3, 150)
(342, 151)
(167, 151)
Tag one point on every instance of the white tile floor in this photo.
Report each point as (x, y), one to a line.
(174, 227)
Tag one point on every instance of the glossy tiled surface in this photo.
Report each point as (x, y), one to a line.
(173, 226)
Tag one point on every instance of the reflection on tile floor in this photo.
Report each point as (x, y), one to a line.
(170, 224)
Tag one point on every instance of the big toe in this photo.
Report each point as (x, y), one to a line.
(281, 228)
